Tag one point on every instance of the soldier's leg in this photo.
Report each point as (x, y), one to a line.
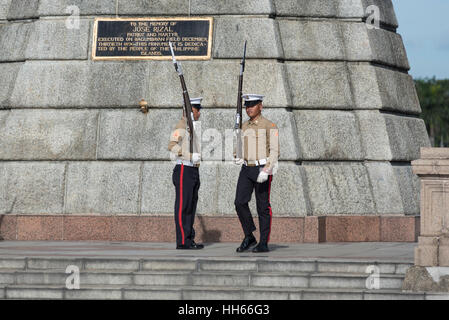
(182, 179)
(194, 203)
(263, 191)
(245, 187)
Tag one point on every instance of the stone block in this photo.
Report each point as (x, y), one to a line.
(62, 7)
(305, 8)
(23, 10)
(287, 266)
(399, 228)
(8, 227)
(323, 295)
(356, 41)
(169, 265)
(398, 50)
(220, 279)
(135, 294)
(339, 188)
(443, 251)
(4, 7)
(80, 84)
(377, 87)
(14, 40)
(273, 280)
(154, 7)
(88, 227)
(40, 228)
(33, 293)
(48, 134)
(212, 294)
(222, 91)
(9, 73)
(373, 134)
(111, 264)
(52, 40)
(58, 263)
(337, 281)
(262, 33)
(409, 188)
(8, 263)
(162, 279)
(249, 7)
(387, 48)
(350, 9)
(264, 295)
(328, 135)
(130, 134)
(385, 188)
(102, 187)
(158, 191)
(223, 265)
(426, 253)
(94, 294)
(311, 40)
(365, 87)
(406, 135)
(319, 85)
(397, 91)
(31, 187)
(353, 228)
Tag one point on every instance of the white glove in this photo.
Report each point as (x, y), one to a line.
(263, 176)
(238, 161)
(196, 157)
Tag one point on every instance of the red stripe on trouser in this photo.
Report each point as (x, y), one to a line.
(271, 213)
(180, 204)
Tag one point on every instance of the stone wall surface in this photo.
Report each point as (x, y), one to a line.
(73, 141)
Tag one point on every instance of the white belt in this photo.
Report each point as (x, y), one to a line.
(187, 163)
(256, 162)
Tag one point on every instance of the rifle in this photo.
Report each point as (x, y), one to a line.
(238, 116)
(187, 106)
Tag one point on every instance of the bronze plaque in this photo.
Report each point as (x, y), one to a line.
(147, 38)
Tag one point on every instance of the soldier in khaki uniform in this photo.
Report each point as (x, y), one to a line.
(260, 157)
(186, 178)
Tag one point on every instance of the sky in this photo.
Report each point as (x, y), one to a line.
(424, 27)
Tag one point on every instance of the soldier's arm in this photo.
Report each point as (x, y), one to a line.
(273, 146)
(176, 137)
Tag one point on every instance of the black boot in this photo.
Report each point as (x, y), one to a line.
(248, 242)
(261, 247)
(197, 245)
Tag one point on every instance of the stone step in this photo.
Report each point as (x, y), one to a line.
(204, 278)
(205, 293)
(201, 264)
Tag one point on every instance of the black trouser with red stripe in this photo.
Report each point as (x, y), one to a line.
(187, 183)
(246, 184)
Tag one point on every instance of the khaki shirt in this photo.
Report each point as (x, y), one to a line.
(179, 144)
(261, 141)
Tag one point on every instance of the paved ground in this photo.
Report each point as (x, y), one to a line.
(376, 251)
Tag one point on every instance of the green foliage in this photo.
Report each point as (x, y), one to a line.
(434, 99)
